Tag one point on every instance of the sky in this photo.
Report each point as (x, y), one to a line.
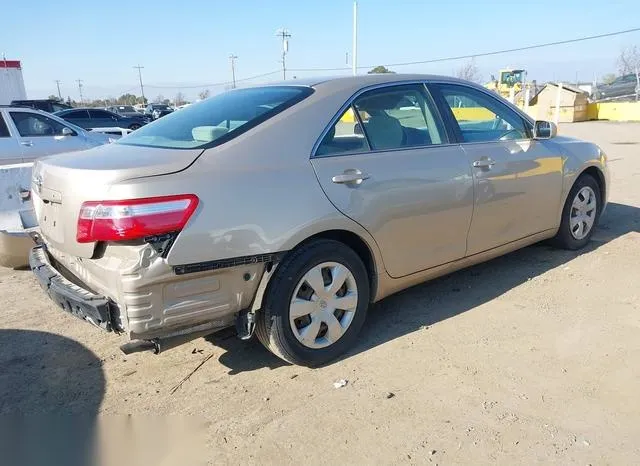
(185, 45)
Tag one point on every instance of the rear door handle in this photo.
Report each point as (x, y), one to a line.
(350, 176)
(27, 143)
(484, 163)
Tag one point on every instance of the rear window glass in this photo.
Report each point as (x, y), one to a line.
(217, 119)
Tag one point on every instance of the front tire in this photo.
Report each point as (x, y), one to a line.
(316, 304)
(580, 214)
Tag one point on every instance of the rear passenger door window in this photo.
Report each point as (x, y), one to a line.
(344, 137)
(395, 117)
(481, 117)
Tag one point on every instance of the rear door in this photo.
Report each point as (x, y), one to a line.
(518, 180)
(102, 119)
(386, 163)
(78, 117)
(10, 151)
(40, 135)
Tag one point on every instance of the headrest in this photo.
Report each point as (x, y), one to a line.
(208, 133)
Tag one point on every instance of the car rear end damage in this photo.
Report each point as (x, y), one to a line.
(134, 291)
(106, 234)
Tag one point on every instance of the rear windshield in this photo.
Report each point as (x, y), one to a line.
(217, 119)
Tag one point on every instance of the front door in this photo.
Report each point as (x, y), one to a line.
(40, 135)
(387, 164)
(518, 180)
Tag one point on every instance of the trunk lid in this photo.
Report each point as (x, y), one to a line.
(63, 182)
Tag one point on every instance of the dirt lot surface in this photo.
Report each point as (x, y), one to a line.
(530, 358)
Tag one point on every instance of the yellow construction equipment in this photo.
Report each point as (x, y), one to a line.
(510, 82)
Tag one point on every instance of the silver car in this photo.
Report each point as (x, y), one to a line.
(288, 209)
(27, 134)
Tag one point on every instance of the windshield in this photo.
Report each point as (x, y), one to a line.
(217, 119)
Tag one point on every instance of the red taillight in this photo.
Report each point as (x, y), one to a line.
(134, 218)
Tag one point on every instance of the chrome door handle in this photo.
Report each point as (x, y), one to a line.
(484, 163)
(350, 177)
(26, 143)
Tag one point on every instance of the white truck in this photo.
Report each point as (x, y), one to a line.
(11, 82)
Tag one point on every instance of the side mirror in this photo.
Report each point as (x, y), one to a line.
(544, 130)
(67, 131)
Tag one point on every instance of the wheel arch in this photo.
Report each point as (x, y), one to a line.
(598, 175)
(352, 240)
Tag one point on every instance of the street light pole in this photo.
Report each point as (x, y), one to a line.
(139, 68)
(233, 58)
(355, 38)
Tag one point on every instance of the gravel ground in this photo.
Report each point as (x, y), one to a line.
(530, 358)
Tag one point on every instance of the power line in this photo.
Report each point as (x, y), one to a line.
(223, 83)
(483, 54)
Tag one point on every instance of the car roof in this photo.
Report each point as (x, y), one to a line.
(341, 83)
(24, 108)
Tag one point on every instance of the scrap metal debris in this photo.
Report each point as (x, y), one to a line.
(188, 376)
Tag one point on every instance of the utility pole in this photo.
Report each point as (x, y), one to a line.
(79, 81)
(285, 35)
(59, 94)
(233, 59)
(139, 68)
(355, 38)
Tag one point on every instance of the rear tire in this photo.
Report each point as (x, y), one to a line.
(580, 214)
(315, 305)
(134, 126)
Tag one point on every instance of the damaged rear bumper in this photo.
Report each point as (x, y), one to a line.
(95, 309)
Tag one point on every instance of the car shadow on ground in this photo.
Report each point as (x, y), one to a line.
(445, 297)
(59, 385)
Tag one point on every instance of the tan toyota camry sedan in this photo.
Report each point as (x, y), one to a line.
(288, 209)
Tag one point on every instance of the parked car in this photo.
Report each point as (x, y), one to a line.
(124, 110)
(89, 118)
(46, 105)
(27, 134)
(289, 209)
(623, 86)
(155, 111)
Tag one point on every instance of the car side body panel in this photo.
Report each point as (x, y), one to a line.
(259, 195)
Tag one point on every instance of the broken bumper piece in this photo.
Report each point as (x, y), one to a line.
(97, 310)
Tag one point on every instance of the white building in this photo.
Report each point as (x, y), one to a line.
(11, 82)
